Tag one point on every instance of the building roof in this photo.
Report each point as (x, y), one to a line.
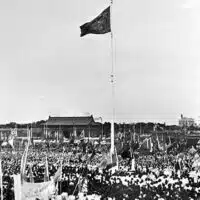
(70, 121)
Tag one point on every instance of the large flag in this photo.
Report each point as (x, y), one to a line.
(99, 25)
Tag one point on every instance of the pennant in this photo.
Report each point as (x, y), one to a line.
(99, 25)
(22, 166)
(151, 145)
(31, 174)
(11, 140)
(24, 159)
(134, 137)
(82, 135)
(14, 132)
(155, 127)
(159, 146)
(169, 144)
(46, 172)
(144, 144)
(58, 174)
(106, 160)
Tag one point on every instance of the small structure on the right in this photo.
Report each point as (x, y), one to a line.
(186, 121)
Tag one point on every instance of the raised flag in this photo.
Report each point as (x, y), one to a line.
(99, 25)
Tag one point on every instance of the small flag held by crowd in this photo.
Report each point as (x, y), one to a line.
(31, 174)
(46, 172)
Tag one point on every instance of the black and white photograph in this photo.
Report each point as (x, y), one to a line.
(100, 100)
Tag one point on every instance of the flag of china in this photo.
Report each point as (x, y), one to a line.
(99, 25)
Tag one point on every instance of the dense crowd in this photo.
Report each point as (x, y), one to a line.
(155, 176)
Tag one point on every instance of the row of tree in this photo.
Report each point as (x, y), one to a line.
(140, 127)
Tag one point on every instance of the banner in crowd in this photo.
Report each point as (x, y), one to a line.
(17, 187)
(42, 191)
(28, 191)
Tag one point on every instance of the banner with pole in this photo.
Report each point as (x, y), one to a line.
(24, 158)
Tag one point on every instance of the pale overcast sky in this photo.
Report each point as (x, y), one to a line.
(47, 69)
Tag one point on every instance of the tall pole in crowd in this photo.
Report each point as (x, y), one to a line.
(1, 178)
(112, 84)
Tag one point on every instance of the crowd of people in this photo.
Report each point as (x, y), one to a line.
(158, 175)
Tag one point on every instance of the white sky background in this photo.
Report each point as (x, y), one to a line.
(47, 69)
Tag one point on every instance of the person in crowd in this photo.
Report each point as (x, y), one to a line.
(156, 176)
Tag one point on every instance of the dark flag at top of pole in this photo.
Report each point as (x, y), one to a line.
(99, 25)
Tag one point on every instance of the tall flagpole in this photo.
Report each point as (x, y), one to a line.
(112, 83)
(1, 178)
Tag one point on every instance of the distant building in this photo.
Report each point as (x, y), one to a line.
(68, 126)
(186, 122)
